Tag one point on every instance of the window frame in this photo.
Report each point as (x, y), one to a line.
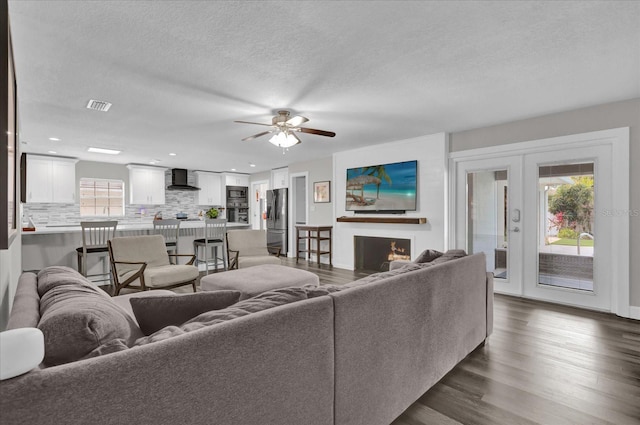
(95, 181)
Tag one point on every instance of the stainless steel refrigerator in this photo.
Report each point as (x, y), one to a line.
(277, 220)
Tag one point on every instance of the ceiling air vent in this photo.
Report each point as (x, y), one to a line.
(98, 105)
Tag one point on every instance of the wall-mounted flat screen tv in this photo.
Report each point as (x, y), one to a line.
(383, 188)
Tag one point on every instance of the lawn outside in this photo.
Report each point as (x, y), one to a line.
(571, 242)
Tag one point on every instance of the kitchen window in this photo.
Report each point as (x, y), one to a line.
(101, 198)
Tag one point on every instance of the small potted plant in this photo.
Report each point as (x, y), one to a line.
(212, 213)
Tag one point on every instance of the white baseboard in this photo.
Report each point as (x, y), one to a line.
(634, 312)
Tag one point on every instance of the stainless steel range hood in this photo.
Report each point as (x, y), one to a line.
(179, 180)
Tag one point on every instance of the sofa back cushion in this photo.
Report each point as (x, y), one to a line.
(451, 254)
(149, 249)
(76, 318)
(50, 277)
(427, 256)
(248, 242)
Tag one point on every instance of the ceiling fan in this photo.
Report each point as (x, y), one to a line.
(285, 128)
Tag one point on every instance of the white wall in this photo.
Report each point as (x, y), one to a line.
(318, 170)
(431, 153)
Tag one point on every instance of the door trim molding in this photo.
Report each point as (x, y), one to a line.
(292, 225)
(618, 140)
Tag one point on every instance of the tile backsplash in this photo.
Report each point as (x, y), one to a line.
(176, 201)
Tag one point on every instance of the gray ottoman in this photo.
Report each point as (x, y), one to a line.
(258, 279)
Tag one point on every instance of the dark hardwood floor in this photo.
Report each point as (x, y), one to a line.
(543, 364)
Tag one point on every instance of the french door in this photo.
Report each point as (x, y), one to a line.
(488, 216)
(540, 218)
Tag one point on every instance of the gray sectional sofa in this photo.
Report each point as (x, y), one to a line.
(355, 355)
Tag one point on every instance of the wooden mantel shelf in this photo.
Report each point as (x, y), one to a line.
(389, 220)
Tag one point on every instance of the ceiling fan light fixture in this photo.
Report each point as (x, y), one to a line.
(283, 140)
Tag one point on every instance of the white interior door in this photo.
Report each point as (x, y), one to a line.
(488, 216)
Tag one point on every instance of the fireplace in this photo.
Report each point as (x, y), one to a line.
(373, 254)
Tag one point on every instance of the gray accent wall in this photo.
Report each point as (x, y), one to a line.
(594, 118)
(319, 170)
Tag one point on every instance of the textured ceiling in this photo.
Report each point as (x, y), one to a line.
(179, 73)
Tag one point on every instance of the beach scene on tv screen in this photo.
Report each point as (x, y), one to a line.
(387, 187)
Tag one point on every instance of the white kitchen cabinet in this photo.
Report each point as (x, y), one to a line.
(146, 185)
(210, 185)
(51, 179)
(280, 178)
(237, 180)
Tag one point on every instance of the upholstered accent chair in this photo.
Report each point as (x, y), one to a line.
(142, 263)
(249, 248)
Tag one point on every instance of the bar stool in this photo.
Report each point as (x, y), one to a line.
(170, 229)
(95, 235)
(215, 231)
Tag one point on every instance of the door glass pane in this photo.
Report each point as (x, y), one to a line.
(487, 218)
(566, 226)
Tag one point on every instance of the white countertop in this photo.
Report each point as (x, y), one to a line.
(75, 228)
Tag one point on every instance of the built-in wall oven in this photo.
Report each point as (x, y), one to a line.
(237, 204)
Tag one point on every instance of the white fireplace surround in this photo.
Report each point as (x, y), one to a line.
(431, 153)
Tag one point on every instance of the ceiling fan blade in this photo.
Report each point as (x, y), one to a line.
(297, 120)
(255, 136)
(318, 132)
(256, 123)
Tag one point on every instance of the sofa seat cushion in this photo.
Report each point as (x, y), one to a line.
(155, 313)
(161, 276)
(264, 301)
(77, 318)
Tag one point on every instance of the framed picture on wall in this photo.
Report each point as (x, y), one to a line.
(322, 192)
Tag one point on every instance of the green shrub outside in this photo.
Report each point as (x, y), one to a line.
(567, 233)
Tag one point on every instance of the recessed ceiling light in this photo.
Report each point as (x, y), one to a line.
(233, 169)
(152, 162)
(105, 151)
(52, 152)
(172, 154)
(54, 139)
(252, 165)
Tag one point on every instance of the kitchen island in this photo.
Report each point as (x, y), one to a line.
(55, 245)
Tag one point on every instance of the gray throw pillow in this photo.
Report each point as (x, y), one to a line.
(427, 256)
(155, 313)
(77, 319)
(452, 254)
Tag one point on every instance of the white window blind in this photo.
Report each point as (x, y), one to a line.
(101, 197)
